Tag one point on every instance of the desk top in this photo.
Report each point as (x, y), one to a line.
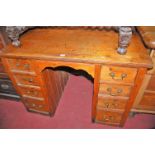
(77, 45)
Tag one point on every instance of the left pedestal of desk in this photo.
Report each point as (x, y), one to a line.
(35, 93)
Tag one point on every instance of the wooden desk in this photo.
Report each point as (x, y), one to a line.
(37, 69)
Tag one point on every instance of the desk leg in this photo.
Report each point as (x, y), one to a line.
(96, 90)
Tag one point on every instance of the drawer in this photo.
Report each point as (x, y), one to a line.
(148, 101)
(6, 86)
(2, 70)
(26, 79)
(108, 117)
(28, 91)
(118, 74)
(151, 84)
(20, 64)
(3, 76)
(111, 103)
(1, 45)
(35, 104)
(115, 90)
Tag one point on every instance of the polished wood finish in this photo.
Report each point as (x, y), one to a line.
(151, 84)
(108, 117)
(152, 55)
(49, 53)
(2, 71)
(115, 90)
(31, 91)
(111, 103)
(148, 101)
(138, 82)
(115, 74)
(145, 100)
(79, 46)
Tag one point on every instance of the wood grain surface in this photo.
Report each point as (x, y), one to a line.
(79, 46)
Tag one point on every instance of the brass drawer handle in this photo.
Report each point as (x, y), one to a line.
(33, 105)
(113, 105)
(17, 64)
(119, 90)
(107, 105)
(40, 106)
(28, 79)
(4, 86)
(123, 75)
(26, 66)
(108, 118)
(32, 92)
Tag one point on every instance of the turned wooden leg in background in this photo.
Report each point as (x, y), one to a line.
(125, 34)
(14, 32)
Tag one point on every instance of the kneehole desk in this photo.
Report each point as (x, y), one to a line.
(38, 70)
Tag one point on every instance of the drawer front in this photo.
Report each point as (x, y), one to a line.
(4, 75)
(115, 90)
(148, 101)
(2, 70)
(20, 64)
(151, 84)
(36, 105)
(33, 92)
(6, 86)
(111, 103)
(1, 45)
(108, 117)
(29, 100)
(118, 74)
(26, 79)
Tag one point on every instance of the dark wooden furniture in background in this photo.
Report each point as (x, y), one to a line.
(145, 100)
(37, 70)
(6, 87)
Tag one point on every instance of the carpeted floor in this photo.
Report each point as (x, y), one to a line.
(74, 111)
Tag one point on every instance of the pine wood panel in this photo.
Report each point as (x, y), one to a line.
(151, 83)
(89, 68)
(47, 50)
(108, 117)
(122, 75)
(152, 55)
(37, 105)
(31, 91)
(54, 86)
(147, 102)
(115, 90)
(138, 82)
(111, 103)
(21, 64)
(79, 46)
(26, 79)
